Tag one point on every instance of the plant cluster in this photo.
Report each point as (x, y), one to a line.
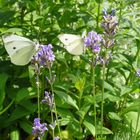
(61, 96)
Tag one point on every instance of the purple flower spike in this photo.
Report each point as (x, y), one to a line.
(56, 138)
(138, 73)
(38, 129)
(87, 41)
(93, 41)
(104, 12)
(48, 99)
(113, 12)
(44, 56)
(109, 23)
(96, 49)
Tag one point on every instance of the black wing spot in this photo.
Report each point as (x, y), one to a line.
(66, 39)
(14, 48)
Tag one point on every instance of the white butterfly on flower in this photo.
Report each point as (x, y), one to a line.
(20, 49)
(74, 44)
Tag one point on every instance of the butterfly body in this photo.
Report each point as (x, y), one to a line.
(72, 43)
(20, 49)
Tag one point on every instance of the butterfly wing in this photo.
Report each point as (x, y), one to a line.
(23, 56)
(67, 39)
(20, 49)
(73, 43)
(76, 47)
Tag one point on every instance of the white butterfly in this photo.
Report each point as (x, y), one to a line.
(72, 43)
(20, 49)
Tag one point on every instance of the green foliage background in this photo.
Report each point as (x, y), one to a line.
(43, 20)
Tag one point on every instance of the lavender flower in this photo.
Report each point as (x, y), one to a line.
(103, 60)
(44, 56)
(38, 128)
(109, 23)
(93, 40)
(56, 138)
(113, 12)
(138, 72)
(48, 99)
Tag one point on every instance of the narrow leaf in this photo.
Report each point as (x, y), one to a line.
(3, 79)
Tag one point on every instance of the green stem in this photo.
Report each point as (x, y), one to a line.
(52, 123)
(102, 102)
(51, 84)
(98, 15)
(38, 94)
(81, 119)
(137, 123)
(135, 138)
(93, 71)
(41, 23)
(80, 98)
(39, 6)
(93, 92)
(6, 108)
(120, 12)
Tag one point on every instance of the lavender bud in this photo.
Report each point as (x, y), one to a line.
(93, 41)
(38, 129)
(56, 138)
(44, 56)
(113, 12)
(138, 72)
(109, 23)
(48, 99)
(104, 12)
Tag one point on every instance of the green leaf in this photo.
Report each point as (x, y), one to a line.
(74, 128)
(3, 79)
(67, 99)
(90, 127)
(66, 135)
(132, 107)
(14, 135)
(65, 121)
(114, 116)
(111, 97)
(99, 1)
(61, 103)
(84, 109)
(5, 16)
(26, 109)
(133, 120)
(13, 30)
(24, 93)
(18, 113)
(105, 130)
(26, 126)
(65, 113)
(109, 86)
(27, 104)
(79, 84)
(125, 90)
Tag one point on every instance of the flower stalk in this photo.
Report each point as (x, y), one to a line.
(102, 100)
(44, 59)
(93, 42)
(55, 110)
(94, 95)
